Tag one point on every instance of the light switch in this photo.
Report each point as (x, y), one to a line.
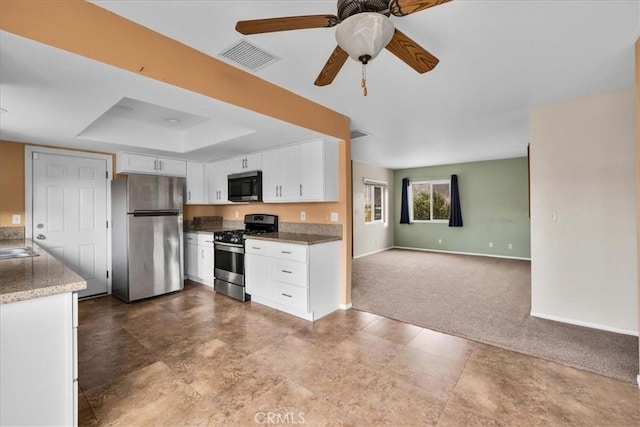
(334, 216)
(554, 216)
(16, 219)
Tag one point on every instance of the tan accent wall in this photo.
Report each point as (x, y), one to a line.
(11, 182)
(88, 30)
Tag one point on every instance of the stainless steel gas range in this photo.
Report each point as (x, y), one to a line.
(229, 254)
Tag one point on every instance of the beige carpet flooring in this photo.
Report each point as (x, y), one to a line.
(486, 300)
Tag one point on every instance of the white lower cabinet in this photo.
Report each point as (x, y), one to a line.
(257, 265)
(299, 279)
(198, 257)
(38, 361)
(205, 262)
(191, 255)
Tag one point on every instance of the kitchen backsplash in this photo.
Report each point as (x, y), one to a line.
(206, 222)
(11, 233)
(295, 227)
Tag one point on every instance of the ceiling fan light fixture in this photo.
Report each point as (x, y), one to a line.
(364, 35)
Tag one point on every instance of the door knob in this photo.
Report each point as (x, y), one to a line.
(40, 237)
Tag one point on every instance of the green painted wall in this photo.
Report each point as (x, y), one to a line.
(495, 208)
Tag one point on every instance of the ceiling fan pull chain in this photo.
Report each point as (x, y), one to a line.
(363, 82)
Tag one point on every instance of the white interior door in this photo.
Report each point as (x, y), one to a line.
(70, 214)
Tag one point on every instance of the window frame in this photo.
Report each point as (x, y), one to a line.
(370, 187)
(431, 183)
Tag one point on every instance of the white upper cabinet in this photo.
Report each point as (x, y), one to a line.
(138, 163)
(319, 171)
(281, 174)
(195, 184)
(250, 162)
(216, 178)
(172, 167)
(301, 172)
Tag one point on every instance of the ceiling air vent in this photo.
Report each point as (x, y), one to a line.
(248, 56)
(356, 133)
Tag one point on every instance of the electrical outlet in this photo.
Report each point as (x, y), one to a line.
(439, 241)
(554, 216)
(334, 216)
(237, 214)
(16, 219)
(490, 244)
(303, 216)
(510, 246)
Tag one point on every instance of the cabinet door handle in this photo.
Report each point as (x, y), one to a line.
(160, 163)
(189, 194)
(155, 165)
(286, 295)
(257, 249)
(202, 253)
(281, 191)
(286, 271)
(300, 190)
(285, 252)
(276, 191)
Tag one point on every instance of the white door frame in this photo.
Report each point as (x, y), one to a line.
(28, 190)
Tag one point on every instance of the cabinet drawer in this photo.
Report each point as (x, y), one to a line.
(289, 296)
(258, 247)
(205, 239)
(290, 252)
(292, 272)
(191, 238)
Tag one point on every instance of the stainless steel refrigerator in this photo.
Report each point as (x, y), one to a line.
(146, 236)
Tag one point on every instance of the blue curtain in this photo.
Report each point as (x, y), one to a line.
(404, 209)
(455, 215)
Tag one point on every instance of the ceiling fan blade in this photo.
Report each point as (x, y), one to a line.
(412, 53)
(271, 25)
(332, 67)
(405, 7)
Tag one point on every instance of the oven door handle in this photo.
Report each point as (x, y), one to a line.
(228, 247)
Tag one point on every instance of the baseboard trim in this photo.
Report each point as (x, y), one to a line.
(374, 252)
(462, 253)
(585, 324)
(345, 306)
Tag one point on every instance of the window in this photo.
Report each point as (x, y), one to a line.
(430, 201)
(374, 205)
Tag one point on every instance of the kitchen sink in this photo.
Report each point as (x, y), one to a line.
(20, 252)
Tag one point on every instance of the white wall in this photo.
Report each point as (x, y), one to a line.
(369, 238)
(583, 167)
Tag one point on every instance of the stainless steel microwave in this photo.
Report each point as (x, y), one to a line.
(245, 186)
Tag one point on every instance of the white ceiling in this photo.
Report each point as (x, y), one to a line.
(497, 59)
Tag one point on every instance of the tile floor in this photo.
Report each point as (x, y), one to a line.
(197, 358)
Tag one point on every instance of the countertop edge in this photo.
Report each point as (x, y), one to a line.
(42, 292)
(302, 239)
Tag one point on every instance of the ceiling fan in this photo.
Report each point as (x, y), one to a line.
(363, 30)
